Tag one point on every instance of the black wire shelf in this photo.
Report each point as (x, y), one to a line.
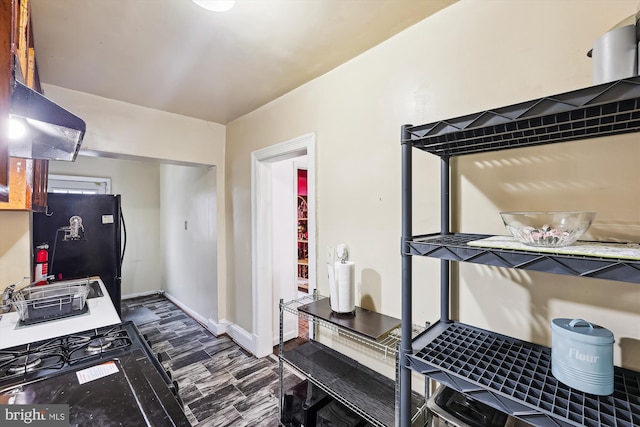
(454, 247)
(607, 109)
(366, 392)
(515, 377)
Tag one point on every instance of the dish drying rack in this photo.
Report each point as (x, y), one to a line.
(39, 303)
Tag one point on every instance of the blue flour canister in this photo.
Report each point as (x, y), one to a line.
(582, 355)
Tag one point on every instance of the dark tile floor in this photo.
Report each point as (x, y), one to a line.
(220, 383)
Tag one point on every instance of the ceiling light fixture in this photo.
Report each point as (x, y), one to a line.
(216, 5)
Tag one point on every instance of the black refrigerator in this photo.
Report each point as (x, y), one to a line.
(84, 237)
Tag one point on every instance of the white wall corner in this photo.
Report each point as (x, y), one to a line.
(219, 328)
(241, 337)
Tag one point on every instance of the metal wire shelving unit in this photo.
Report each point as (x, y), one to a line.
(507, 374)
(364, 391)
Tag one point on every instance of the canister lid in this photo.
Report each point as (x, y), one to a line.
(582, 330)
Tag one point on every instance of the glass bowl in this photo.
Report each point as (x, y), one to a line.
(547, 229)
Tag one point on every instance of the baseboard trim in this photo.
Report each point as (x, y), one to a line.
(243, 338)
(141, 294)
(197, 317)
(218, 328)
(236, 333)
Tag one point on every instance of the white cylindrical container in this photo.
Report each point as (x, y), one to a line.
(615, 55)
(582, 355)
(342, 293)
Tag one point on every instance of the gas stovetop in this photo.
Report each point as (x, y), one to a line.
(40, 358)
(106, 375)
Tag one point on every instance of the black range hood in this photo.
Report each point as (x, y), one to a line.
(50, 131)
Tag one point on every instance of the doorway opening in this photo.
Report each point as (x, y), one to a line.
(275, 236)
(302, 232)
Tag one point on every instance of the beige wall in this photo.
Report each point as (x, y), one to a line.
(119, 128)
(471, 56)
(189, 239)
(138, 183)
(15, 244)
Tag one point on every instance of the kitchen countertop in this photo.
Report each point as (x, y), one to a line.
(101, 313)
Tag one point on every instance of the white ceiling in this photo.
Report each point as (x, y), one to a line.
(172, 55)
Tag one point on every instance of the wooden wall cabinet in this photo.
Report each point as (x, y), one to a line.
(28, 189)
(6, 20)
(25, 185)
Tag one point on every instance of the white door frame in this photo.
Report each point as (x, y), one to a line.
(261, 275)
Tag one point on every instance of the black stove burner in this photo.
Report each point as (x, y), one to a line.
(32, 357)
(98, 345)
(97, 342)
(26, 363)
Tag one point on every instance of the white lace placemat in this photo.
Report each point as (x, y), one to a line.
(596, 249)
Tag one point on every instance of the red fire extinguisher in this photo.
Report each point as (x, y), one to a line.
(42, 264)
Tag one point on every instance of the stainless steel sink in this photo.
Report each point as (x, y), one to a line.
(94, 290)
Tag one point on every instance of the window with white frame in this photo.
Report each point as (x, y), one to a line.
(70, 184)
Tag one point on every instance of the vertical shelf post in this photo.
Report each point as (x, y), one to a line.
(280, 363)
(406, 318)
(445, 228)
